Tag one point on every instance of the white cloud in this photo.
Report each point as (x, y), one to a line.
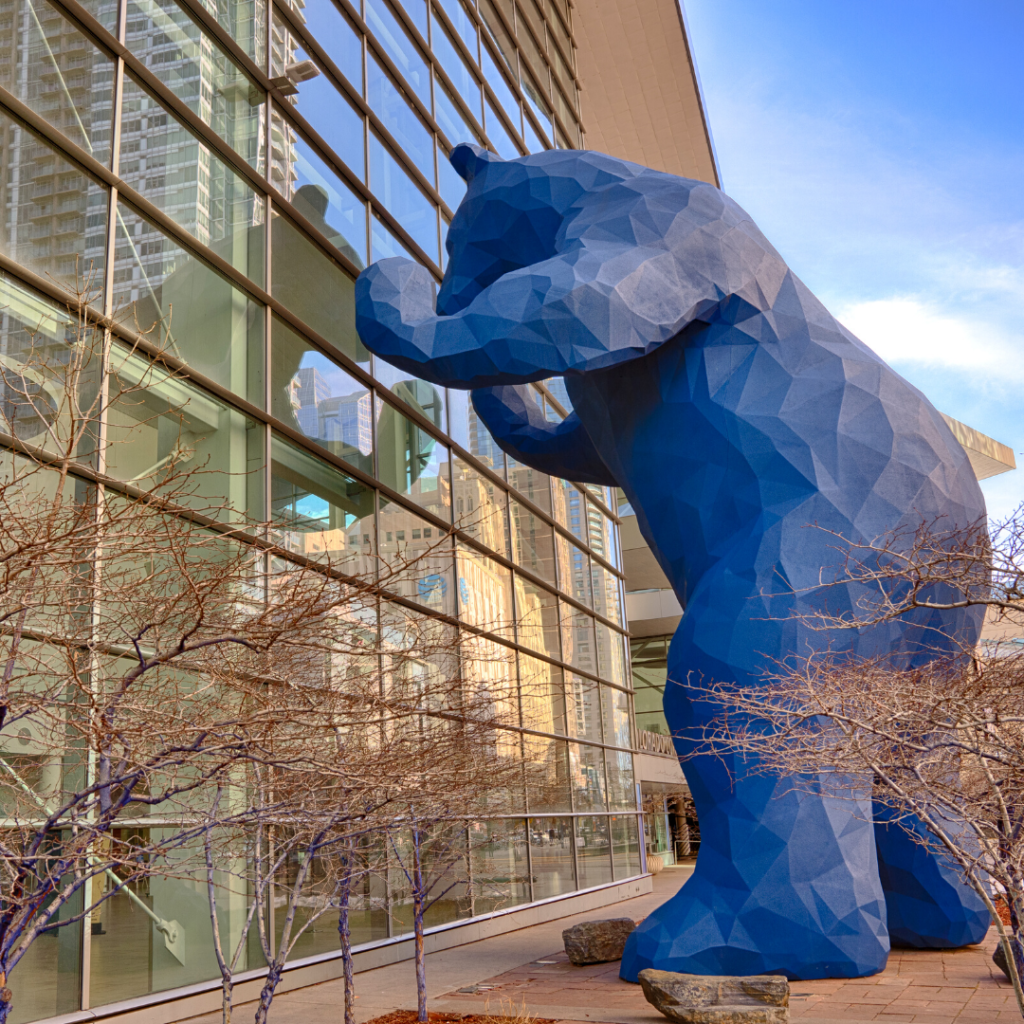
(908, 330)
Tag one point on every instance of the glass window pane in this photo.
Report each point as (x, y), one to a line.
(455, 67)
(182, 177)
(57, 225)
(586, 765)
(314, 288)
(312, 393)
(417, 558)
(166, 421)
(54, 69)
(593, 851)
(583, 708)
(479, 506)
(327, 109)
(573, 570)
(246, 22)
(625, 845)
(417, 10)
(396, 43)
(611, 657)
(189, 308)
(501, 876)
(538, 104)
(464, 24)
(199, 73)
(533, 545)
(531, 484)
(392, 185)
(570, 508)
(537, 618)
(564, 109)
(105, 12)
(503, 41)
(531, 138)
(527, 13)
(547, 774)
(621, 783)
(319, 512)
(412, 462)
(578, 638)
(615, 712)
(383, 242)
(551, 855)
(389, 103)
(485, 592)
(490, 684)
(499, 136)
(317, 192)
(498, 83)
(451, 187)
(336, 34)
(468, 430)
(529, 51)
(450, 118)
(426, 398)
(607, 596)
(542, 695)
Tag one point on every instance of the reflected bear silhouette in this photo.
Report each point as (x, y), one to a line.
(736, 414)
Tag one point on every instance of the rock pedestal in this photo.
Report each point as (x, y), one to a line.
(713, 999)
(597, 942)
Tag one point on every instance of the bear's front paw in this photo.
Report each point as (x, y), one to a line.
(392, 296)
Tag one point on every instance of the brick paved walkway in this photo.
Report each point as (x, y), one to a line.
(957, 987)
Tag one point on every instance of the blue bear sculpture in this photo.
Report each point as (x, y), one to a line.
(712, 387)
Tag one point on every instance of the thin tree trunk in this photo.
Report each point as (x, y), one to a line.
(6, 997)
(267, 994)
(418, 900)
(345, 938)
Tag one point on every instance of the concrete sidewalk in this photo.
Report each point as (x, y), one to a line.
(528, 968)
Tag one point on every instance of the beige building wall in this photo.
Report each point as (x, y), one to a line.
(640, 99)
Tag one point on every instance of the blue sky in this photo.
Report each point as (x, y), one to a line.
(879, 144)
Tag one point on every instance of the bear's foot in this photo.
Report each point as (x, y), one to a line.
(805, 932)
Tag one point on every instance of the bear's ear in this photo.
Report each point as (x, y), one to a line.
(470, 160)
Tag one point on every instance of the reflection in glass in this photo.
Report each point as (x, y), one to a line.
(593, 851)
(464, 24)
(383, 243)
(194, 67)
(409, 460)
(335, 33)
(406, 203)
(625, 845)
(55, 224)
(314, 287)
(615, 707)
(319, 512)
(388, 102)
(551, 856)
(583, 711)
(531, 484)
(537, 617)
(586, 766)
(170, 422)
(468, 430)
(541, 695)
(425, 398)
(499, 136)
(417, 557)
(578, 642)
(184, 178)
(399, 47)
(621, 783)
(313, 394)
(500, 866)
(51, 67)
(449, 58)
(196, 314)
(452, 189)
(320, 102)
(499, 84)
(611, 654)
(533, 542)
(246, 23)
(443, 852)
(318, 193)
(547, 774)
(450, 118)
(485, 592)
(569, 508)
(479, 505)
(573, 570)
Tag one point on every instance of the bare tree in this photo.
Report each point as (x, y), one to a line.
(943, 743)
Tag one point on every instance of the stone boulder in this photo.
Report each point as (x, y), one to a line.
(597, 942)
(712, 999)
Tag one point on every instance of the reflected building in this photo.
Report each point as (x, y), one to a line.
(216, 188)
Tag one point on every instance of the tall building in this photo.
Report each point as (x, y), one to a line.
(213, 174)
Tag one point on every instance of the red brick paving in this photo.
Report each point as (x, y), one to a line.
(954, 987)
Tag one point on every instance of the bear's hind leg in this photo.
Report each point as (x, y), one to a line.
(928, 905)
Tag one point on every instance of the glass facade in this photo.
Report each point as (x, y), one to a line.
(224, 170)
